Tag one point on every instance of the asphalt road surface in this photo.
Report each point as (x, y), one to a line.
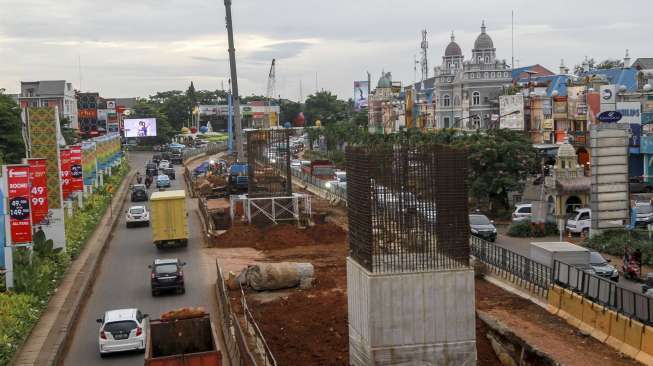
(123, 281)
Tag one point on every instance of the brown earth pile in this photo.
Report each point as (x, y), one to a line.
(279, 236)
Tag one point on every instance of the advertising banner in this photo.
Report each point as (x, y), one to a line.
(43, 132)
(361, 95)
(511, 104)
(608, 95)
(2, 230)
(76, 177)
(630, 112)
(65, 172)
(38, 178)
(18, 196)
(89, 162)
(140, 127)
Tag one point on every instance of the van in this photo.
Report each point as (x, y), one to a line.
(579, 221)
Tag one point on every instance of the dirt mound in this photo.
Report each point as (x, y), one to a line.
(306, 328)
(279, 236)
(327, 234)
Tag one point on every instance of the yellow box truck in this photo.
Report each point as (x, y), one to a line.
(169, 218)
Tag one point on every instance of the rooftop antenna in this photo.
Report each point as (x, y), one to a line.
(424, 62)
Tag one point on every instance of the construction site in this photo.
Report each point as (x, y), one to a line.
(301, 280)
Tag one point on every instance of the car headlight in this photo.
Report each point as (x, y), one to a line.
(474, 231)
(328, 184)
(494, 230)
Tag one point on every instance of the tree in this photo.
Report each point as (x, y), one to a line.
(12, 147)
(69, 134)
(190, 93)
(289, 111)
(610, 63)
(578, 68)
(325, 107)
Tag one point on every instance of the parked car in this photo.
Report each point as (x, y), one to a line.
(170, 172)
(164, 164)
(122, 330)
(139, 193)
(482, 227)
(137, 215)
(162, 181)
(637, 185)
(647, 287)
(522, 212)
(167, 274)
(579, 221)
(601, 267)
(644, 213)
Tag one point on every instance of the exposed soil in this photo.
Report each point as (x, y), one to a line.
(485, 355)
(543, 330)
(279, 236)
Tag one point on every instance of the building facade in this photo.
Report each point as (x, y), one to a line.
(50, 93)
(467, 91)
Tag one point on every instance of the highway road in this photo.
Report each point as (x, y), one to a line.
(123, 281)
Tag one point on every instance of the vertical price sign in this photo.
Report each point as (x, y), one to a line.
(38, 177)
(19, 203)
(77, 181)
(65, 172)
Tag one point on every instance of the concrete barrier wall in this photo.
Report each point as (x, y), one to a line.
(624, 334)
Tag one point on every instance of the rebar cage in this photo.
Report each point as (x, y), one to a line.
(408, 207)
(268, 157)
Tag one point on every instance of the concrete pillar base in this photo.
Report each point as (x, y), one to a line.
(421, 318)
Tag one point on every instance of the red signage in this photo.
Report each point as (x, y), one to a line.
(76, 179)
(19, 207)
(65, 172)
(87, 113)
(38, 178)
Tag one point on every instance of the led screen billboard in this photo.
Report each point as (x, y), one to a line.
(140, 127)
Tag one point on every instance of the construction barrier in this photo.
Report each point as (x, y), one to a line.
(555, 294)
(566, 299)
(645, 356)
(588, 320)
(617, 330)
(632, 338)
(601, 329)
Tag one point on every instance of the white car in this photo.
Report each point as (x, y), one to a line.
(522, 212)
(164, 164)
(579, 221)
(138, 215)
(122, 330)
(296, 164)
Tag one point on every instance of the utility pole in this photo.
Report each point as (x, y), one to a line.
(240, 154)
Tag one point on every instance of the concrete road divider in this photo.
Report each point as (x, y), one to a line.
(645, 355)
(617, 330)
(588, 320)
(601, 329)
(555, 293)
(632, 338)
(566, 299)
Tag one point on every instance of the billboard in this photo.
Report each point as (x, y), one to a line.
(65, 172)
(511, 104)
(76, 181)
(632, 116)
(89, 162)
(18, 197)
(361, 94)
(38, 178)
(43, 132)
(140, 127)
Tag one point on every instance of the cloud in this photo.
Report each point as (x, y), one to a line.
(207, 59)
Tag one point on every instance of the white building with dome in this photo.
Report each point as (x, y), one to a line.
(467, 91)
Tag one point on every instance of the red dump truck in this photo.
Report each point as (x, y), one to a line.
(321, 169)
(185, 338)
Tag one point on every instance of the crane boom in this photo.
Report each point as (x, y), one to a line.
(272, 80)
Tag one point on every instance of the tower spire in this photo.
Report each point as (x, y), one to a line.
(453, 37)
(483, 26)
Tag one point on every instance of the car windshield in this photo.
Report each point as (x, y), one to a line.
(166, 268)
(137, 210)
(162, 177)
(596, 259)
(479, 220)
(120, 326)
(644, 209)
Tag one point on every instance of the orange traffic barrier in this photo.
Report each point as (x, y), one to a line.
(555, 292)
(645, 355)
(632, 338)
(617, 330)
(602, 322)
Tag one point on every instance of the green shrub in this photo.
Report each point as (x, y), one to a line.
(524, 229)
(613, 242)
(18, 314)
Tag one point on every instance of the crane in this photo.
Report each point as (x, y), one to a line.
(272, 80)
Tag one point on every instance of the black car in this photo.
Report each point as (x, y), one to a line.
(167, 274)
(156, 158)
(482, 227)
(170, 172)
(151, 169)
(139, 193)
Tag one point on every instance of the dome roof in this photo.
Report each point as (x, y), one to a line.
(483, 41)
(385, 81)
(453, 49)
(566, 151)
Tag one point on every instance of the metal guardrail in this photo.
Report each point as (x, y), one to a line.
(255, 331)
(212, 148)
(530, 274)
(604, 292)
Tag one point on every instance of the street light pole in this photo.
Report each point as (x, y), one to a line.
(240, 155)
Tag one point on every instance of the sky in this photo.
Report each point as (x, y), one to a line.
(127, 48)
